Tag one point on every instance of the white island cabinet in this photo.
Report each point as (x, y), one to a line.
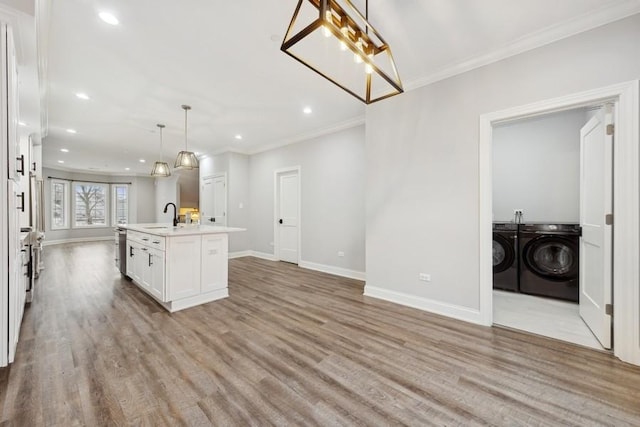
(182, 266)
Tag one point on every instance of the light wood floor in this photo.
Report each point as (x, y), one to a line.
(543, 316)
(288, 347)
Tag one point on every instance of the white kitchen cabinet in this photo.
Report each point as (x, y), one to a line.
(183, 267)
(180, 267)
(215, 257)
(157, 270)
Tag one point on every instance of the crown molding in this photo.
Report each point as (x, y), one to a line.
(554, 33)
(347, 124)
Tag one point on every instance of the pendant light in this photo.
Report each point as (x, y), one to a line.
(322, 32)
(160, 168)
(186, 159)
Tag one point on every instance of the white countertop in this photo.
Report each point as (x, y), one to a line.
(161, 229)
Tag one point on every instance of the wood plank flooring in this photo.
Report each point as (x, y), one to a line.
(288, 347)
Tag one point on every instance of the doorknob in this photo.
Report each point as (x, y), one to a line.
(280, 221)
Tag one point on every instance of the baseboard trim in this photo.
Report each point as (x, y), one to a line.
(76, 240)
(239, 254)
(449, 310)
(337, 271)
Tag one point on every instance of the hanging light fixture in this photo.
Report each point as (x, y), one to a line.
(336, 26)
(160, 168)
(186, 159)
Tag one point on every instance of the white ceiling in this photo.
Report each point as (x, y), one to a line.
(223, 58)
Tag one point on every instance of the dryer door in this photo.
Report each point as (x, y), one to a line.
(503, 253)
(552, 257)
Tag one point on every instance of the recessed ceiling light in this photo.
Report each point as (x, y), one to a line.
(307, 110)
(127, 169)
(108, 18)
(60, 161)
(82, 96)
(64, 150)
(22, 123)
(238, 137)
(72, 131)
(142, 160)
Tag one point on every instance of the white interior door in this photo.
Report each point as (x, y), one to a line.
(288, 216)
(596, 166)
(213, 200)
(220, 200)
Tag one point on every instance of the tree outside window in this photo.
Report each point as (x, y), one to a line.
(90, 205)
(120, 202)
(59, 204)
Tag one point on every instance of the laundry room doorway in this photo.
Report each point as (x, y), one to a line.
(562, 198)
(539, 174)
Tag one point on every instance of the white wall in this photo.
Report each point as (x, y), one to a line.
(536, 168)
(141, 196)
(166, 190)
(236, 166)
(238, 204)
(422, 161)
(332, 187)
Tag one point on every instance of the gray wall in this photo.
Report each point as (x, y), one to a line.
(141, 196)
(166, 190)
(332, 187)
(536, 167)
(236, 166)
(422, 201)
(238, 195)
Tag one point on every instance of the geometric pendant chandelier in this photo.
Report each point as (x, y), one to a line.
(335, 40)
(160, 168)
(186, 159)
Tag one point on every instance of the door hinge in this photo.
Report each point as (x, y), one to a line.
(608, 309)
(610, 129)
(608, 219)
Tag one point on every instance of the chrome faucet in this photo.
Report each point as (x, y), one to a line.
(175, 213)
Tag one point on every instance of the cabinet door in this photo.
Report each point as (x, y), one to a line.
(156, 259)
(16, 168)
(143, 268)
(183, 267)
(214, 262)
(131, 256)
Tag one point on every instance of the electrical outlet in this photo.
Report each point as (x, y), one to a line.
(424, 277)
(340, 253)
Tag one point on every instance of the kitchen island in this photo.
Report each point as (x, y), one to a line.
(182, 266)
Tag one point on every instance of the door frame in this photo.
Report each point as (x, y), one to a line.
(226, 194)
(626, 204)
(276, 194)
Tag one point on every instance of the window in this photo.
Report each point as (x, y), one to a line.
(90, 205)
(120, 203)
(59, 204)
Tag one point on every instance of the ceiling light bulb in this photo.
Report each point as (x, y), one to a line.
(345, 32)
(60, 161)
(108, 18)
(72, 131)
(307, 110)
(328, 21)
(357, 56)
(82, 96)
(64, 150)
(368, 68)
(127, 169)
(238, 137)
(142, 160)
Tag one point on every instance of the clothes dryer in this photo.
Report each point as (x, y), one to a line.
(505, 256)
(549, 260)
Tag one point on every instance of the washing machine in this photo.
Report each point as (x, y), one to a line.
(550, 260)
(505, 256)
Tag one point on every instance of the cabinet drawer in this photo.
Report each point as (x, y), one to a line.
(156, 242)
